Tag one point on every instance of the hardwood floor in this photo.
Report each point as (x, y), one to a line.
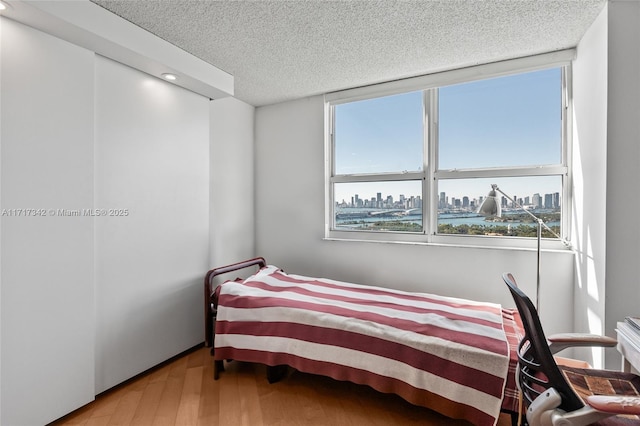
(184, 393)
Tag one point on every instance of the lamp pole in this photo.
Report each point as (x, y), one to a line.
(540, 225)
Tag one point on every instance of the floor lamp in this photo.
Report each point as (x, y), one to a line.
(491, 207)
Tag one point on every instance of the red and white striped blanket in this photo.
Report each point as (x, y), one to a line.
(450, 355)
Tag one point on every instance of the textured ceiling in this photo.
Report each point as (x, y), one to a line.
(282, 50)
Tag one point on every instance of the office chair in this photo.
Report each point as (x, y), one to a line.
(560, 395)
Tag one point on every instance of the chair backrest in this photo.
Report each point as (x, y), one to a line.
(537, 369)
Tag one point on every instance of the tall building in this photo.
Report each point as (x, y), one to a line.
(537, 201)
(548, 201)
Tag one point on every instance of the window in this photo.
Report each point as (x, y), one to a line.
(413, 160)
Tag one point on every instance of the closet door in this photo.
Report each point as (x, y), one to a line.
(152, 235)
(46, 254)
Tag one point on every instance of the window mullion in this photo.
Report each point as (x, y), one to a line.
(567, 143)
(430, 210)
(383, 177)
(555, 169)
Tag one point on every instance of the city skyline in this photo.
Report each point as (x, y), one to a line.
(454, 188)
(387, 201)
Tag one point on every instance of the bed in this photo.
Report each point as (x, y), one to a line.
(454, 356)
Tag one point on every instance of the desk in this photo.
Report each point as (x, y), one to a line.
(629, 347)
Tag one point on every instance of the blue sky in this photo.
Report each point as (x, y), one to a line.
(508, 121)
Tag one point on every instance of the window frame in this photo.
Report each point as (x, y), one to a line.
(430, 173)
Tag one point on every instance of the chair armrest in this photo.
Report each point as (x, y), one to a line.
(544, 409)
(615, 404)
(558, 342)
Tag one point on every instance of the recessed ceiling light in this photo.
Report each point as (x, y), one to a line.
(3, 6)
(169, 76)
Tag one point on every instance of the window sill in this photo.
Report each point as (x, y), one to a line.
(457, 242)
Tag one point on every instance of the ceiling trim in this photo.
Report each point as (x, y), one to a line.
(90, 26)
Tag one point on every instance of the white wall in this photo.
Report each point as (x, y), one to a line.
(589, 182)
(290, 229)
(47, 262)
(232, 181)
(623, 163)
(89, 301)
(152, 159)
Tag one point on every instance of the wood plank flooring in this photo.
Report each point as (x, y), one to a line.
(184, 393)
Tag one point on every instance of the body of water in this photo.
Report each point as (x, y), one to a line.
(344, 216)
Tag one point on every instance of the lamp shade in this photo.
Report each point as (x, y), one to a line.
(491, 206)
